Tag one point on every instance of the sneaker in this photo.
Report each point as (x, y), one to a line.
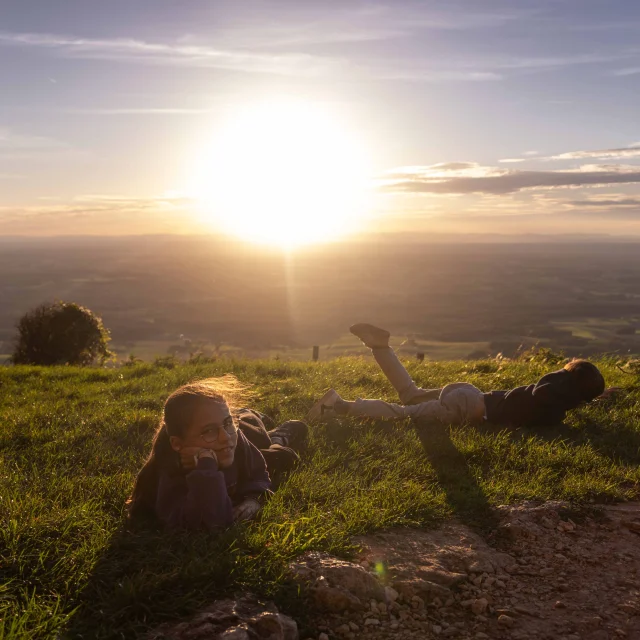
(373, 337)
(292, 433)
(279, 459)
(324, 405)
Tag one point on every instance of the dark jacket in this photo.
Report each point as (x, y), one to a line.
(205, 496)
(543, 403)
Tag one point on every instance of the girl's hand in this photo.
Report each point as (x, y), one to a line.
(188, 455)
(246, 510)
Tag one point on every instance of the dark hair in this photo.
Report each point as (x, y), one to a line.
(176, 418)
(590, 382)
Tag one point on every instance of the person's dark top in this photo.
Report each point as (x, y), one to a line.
(205, 496)
(543, 403)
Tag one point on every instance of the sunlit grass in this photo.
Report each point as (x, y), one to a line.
(71, 441)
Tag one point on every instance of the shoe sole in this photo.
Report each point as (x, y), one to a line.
(369, 331)
(315, 413)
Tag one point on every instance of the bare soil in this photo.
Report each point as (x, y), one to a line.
(546, 572)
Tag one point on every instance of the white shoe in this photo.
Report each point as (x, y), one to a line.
(324, 405)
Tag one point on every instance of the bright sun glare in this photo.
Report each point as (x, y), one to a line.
(284, 173)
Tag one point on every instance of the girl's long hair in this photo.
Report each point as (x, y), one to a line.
(176, 417)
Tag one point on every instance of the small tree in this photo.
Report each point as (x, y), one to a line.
(61, 333)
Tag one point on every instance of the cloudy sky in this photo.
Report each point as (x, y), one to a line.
(476, 116)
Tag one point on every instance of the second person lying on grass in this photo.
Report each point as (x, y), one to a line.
(543, 403)
(211, 463)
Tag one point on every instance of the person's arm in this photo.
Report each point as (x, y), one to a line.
(256, 486)
(205, 504)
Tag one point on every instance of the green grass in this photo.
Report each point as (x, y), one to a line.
(71, 441)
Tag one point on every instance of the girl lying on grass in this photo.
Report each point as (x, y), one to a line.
(210, 462)
(543, 403)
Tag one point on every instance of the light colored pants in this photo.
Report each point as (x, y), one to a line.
(455, 404)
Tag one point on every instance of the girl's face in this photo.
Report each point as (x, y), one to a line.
(212, 427)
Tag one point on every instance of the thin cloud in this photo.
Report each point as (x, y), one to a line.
(499, 182)
(628, 71)
(362, 24)
(144, 111)
(623, 152)
(12, 141)
(511, 160)
(611, 202)
(133, 50)
(404, 71)
(259, 56)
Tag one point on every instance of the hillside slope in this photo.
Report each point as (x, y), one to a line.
(71, 441)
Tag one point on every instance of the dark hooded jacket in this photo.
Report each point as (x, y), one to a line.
(543, 403)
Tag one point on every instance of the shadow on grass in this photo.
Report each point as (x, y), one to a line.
(620, 444)
(145, 577)
(465, 496)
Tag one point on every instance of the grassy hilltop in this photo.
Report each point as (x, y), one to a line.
(71, 441)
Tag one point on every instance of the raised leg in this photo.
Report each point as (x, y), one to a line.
(399, 377)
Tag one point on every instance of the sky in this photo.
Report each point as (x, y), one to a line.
(470, 116)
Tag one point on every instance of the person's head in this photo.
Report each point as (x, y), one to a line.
(196, 416)
(588, 379)
(577, 382)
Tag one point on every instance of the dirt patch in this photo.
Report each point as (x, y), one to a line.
(542, 574)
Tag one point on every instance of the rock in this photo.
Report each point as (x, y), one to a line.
(371, 622)
(242, 619)
(339, 574)
(566, 526)
(323, 636)
(506, 621)
(479, 606)
(234, 634)
(502, 560)
(529, 611)
(422, 588)
(335, 599)
(274, 626)
(481, 563)
(515, 530)
(353, 626)
(630, 608)
(343, 629)
(441, 576)
(390, 594)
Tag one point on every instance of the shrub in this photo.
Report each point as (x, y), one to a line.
(61, 333)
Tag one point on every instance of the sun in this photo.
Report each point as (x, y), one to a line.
(284, 173)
